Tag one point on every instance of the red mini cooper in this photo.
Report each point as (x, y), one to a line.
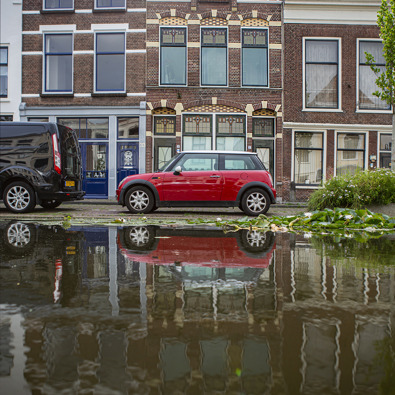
(202, 179)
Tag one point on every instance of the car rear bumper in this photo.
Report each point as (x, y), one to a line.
(61, 196)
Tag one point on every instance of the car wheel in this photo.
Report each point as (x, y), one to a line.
(19, 237)
(19, 197)
(139, 200)
(256, 243)
(255, 201)
(50, 204)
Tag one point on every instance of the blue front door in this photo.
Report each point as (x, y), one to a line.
(128, 160)
(95, 169)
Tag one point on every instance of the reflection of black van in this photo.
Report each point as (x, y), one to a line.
(40, 163)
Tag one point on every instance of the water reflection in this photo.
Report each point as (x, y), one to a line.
(162, 310)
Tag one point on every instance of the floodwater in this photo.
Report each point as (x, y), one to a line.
(148, 310)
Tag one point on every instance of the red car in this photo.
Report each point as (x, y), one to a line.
(192, 247)
(202, 179)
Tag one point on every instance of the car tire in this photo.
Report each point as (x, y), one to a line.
(256, 243)
(139, 200)
(255, 201)
(139, 239)
(19, 197)
(19, 237)
(50, 204)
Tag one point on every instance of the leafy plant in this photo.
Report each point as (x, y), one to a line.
(355, 191)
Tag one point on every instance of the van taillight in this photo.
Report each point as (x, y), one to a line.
(56, 155)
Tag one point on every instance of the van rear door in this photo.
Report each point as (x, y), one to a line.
(71, 159)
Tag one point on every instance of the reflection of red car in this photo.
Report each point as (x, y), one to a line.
(202, 179)
(212, 248)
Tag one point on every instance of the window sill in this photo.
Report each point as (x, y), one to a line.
(322, 110)
(373, 111)
(49, 94)
(114, 94)
(308, 186)
(58, 11)
(99, 10)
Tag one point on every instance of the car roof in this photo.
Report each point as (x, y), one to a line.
(219, 152)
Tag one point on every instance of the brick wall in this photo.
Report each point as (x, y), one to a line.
(32, 64)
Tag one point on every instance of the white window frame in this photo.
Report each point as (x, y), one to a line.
(379, 150)
(44, 75)
(160, 55)
(336, 151)
(109, 30)
(58, 9)
(109, 8)
(241, 58)
(364, 110)
(227, 56)
(324, 153)
(7, 96)
(339, 76)
(214, 134)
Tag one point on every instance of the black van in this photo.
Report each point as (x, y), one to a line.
(40, 163)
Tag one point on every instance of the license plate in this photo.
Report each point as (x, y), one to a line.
(70, 183)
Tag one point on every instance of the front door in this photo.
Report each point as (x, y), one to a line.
(164, 150)
(265, 151)
(95, 169)
(127, 160)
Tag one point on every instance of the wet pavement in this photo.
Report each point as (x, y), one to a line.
(109, 209)
(158, 310)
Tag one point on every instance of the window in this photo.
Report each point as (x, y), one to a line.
(173, 53)
(263, 127)
(255, 57)
(128, 128)
(6, 118)
(165, 126)
(214, 57)
(3, 72)
(37, 119)
(385, 150)
(87, 128)
(321, 74)
(110, 4)
(202, 162)
(58, 4)
(197, 132)
(110, 62)
(350, 153)
(308, 158)
(230, 134)
(367, 78)
(58, 64)
(239, 162)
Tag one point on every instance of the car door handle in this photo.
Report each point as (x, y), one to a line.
(215, 176)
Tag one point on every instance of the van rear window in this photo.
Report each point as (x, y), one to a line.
(20, 130)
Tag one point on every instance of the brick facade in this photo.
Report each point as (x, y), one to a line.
(346, 119)
(198, 99)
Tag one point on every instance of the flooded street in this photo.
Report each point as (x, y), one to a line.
(167, 310)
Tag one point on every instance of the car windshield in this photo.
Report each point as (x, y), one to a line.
(163, 167)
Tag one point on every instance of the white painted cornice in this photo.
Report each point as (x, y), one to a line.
(348, 12)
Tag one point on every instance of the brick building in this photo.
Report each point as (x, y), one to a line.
(214, 78)
(141, 80)
(332, 122)
(84, 66)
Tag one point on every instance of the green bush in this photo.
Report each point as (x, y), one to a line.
(369, 187)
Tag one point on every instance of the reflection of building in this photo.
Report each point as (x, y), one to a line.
(333, 124)
(307, 323)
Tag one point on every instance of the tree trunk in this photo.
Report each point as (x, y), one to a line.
(393, 139)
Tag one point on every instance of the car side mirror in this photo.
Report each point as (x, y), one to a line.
(177, 170)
